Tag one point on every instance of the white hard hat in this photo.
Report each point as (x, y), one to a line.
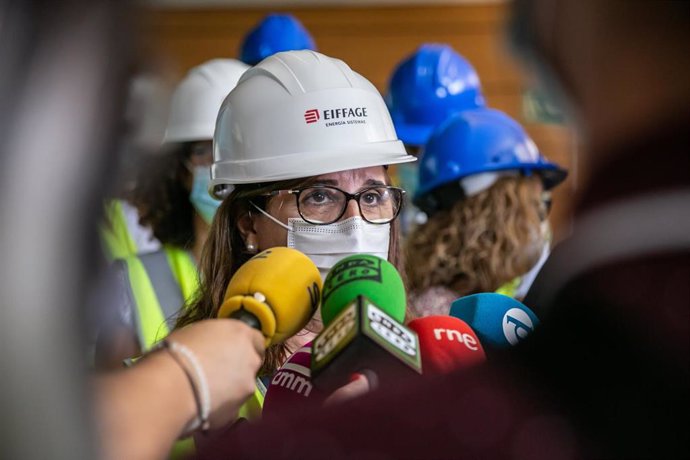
(301, 114)
(147, 110)
(196, 100)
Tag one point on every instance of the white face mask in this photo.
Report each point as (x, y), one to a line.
(326, 245)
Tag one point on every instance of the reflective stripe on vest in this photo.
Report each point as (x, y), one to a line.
(184, 270)
(115, 233)
(161, 282)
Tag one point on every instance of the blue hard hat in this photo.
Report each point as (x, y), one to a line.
(474, 142)
(275, 33)
(427, 87)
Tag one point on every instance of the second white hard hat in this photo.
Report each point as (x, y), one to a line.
(196, 100)
(301, 114)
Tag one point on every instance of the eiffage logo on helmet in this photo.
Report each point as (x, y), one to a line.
(338, 117)
(311, 116)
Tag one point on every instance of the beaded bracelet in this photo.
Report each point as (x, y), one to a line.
(197, 380)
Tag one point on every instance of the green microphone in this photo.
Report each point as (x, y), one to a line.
(363, 274)
(363, 307)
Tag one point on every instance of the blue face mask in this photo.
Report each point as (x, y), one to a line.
(202, 201)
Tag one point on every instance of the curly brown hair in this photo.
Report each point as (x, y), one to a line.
(225, 252)
(482, 242)
(161, 197)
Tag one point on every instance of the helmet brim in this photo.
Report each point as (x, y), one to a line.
(307, 164)
(437, 197)
(552, 175)
(413, 135)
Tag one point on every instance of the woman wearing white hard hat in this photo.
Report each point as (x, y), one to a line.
(302, 143)
(170, 197)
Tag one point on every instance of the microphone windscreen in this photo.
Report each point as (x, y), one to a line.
(499, 321)
(367, 275)
(446, 344)
(291, 388)
(280, 286)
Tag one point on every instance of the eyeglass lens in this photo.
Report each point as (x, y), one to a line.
(327, 204)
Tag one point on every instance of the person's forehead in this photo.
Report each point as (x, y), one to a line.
(355, 176)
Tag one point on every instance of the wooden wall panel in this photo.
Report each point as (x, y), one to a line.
(372, 41)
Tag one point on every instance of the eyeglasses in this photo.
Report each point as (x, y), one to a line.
(323, 204)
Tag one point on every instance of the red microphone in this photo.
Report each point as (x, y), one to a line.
(291, 388)
(446, 344)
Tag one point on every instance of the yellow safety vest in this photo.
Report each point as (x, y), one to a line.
(115, 236)
(160, 284)
(510, 287)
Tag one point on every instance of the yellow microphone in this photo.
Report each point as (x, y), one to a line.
(277, 291)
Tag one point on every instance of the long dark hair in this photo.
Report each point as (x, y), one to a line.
(161, 197)
(225, 252)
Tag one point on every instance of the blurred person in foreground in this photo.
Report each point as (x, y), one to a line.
(607, 374)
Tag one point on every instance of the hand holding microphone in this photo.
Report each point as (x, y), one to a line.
(276, 292)
(150, 405)
(227, 355)
(203, 378)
